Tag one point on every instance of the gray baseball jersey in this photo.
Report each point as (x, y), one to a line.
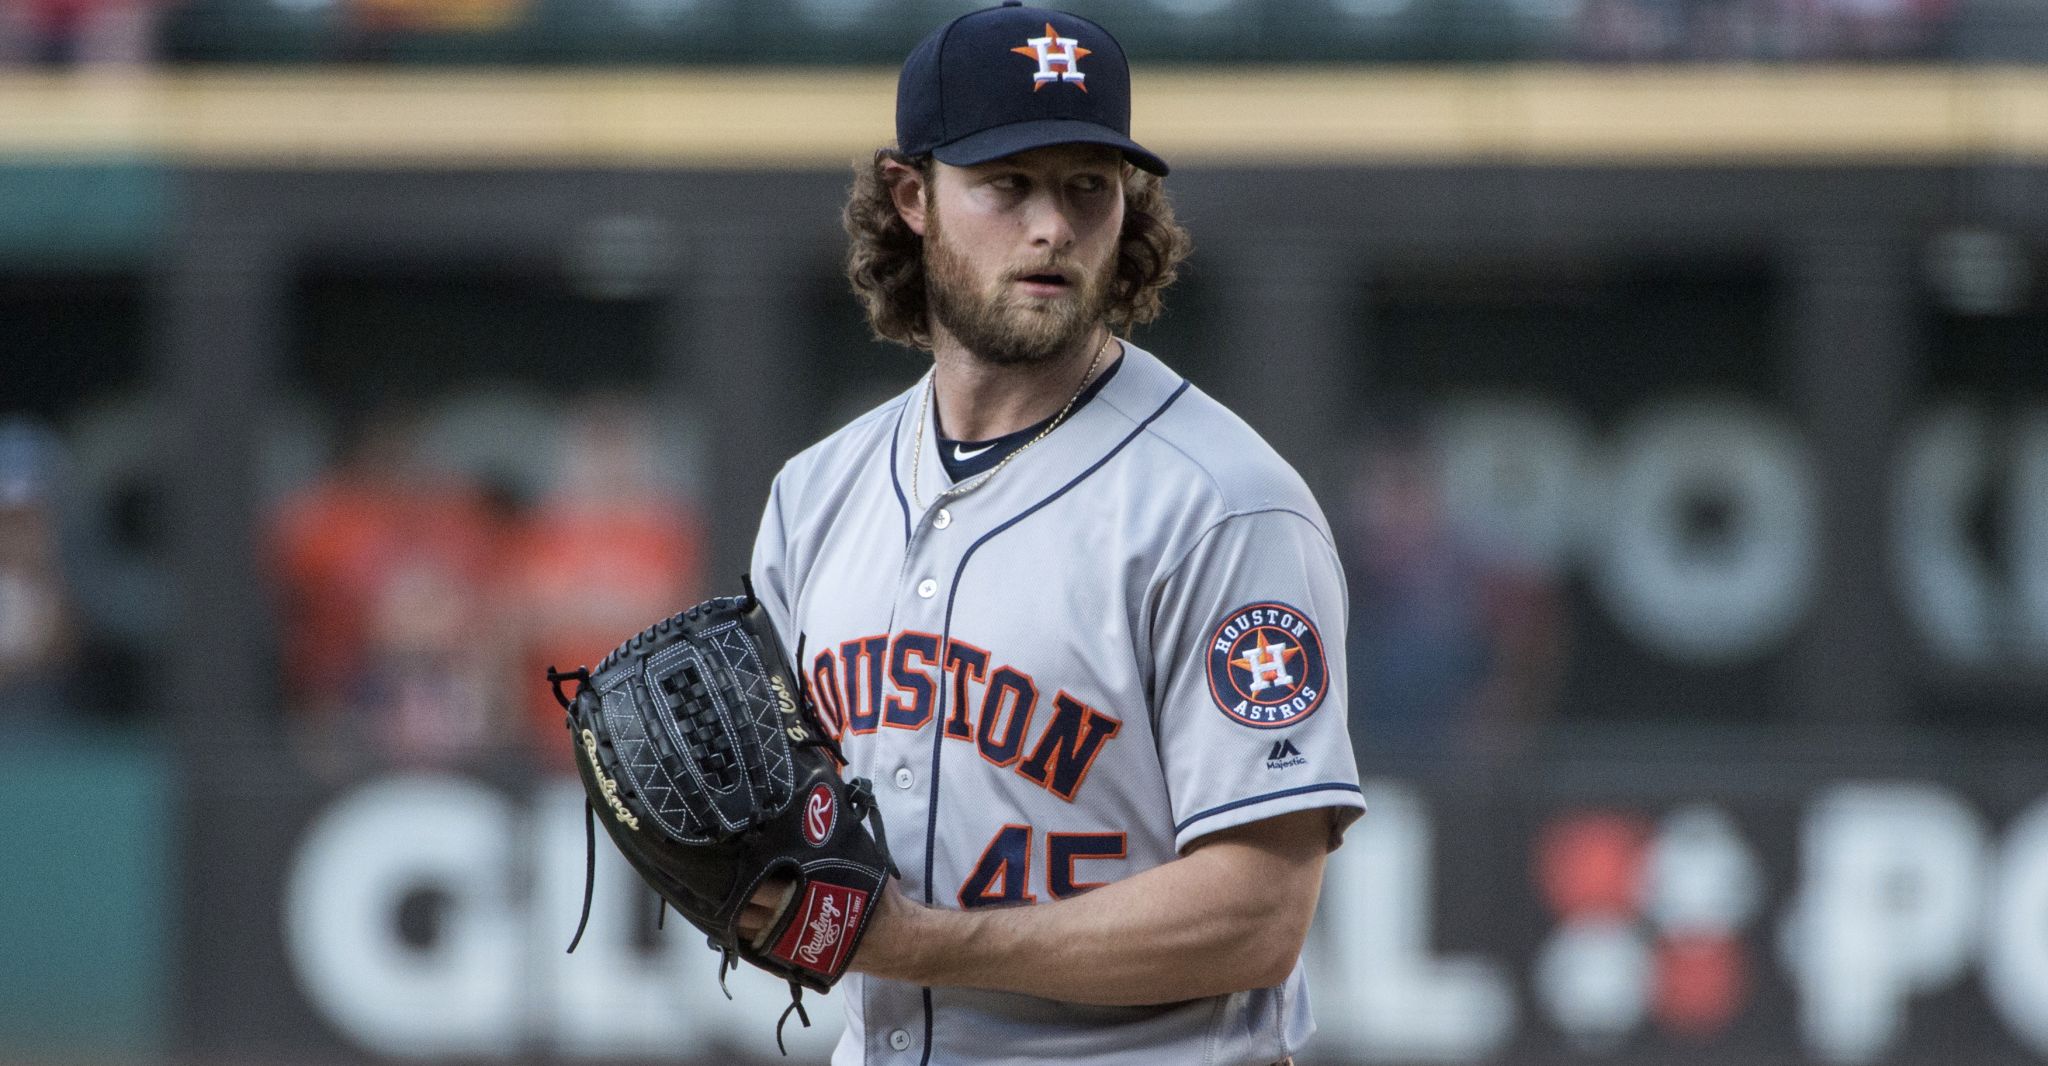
(1129, 638)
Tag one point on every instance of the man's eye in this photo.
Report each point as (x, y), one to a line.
(1009, 183)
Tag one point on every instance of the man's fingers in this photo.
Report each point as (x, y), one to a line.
(764, 907)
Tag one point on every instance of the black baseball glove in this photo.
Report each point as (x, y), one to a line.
(701, 753)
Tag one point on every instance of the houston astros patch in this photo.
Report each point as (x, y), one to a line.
(1266, 665)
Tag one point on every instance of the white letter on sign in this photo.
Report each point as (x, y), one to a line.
(2029, 504)
(1512, 471)
(1713, 531)
(2016, 931)
(458, 995)
(1892, 875)
(1950, 591)
(1381, 991)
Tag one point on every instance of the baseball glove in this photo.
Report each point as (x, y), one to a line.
(700, 751)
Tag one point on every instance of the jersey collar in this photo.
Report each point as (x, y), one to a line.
(1142, 382)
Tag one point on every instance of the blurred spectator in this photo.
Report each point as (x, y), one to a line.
(611, 550)
(63, 33)
(387, 572)
(1454, 650)
(436, 15)
(1743, 30)
(422, 607)
(38, 634)
(377, 30)
(1624, 29)
(1879, 29)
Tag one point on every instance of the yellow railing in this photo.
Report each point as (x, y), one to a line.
(799, 119)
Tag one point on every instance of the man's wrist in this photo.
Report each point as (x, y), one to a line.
(889, 936)
(895, 938)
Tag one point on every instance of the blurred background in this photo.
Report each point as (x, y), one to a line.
(1673, 372)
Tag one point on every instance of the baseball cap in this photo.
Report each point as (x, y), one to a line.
(1008, 79)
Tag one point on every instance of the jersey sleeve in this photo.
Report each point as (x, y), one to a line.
(769, 569)
(1248, 659)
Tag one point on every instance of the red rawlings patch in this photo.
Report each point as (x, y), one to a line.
(822, 932)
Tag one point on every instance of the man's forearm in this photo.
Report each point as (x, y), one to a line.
(1229, 917)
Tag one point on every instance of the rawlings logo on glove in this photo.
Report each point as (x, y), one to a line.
(608, 787)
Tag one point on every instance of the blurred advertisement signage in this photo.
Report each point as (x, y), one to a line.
(427, 917)
(1666, 933)
(1852, 922)
(1696, 520)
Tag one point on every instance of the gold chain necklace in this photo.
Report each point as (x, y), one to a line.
(917, 444)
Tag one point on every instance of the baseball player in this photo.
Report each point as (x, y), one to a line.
(1081, 626)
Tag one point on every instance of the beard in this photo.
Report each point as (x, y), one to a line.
(1002, 326)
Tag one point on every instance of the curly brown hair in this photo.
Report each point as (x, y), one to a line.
(885, 259)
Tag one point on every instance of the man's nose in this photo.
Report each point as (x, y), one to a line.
(1050, 225)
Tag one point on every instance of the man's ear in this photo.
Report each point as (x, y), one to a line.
(907, 190)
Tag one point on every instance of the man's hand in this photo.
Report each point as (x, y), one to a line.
(764, 908)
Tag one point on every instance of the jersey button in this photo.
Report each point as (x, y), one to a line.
(903, 777)
(899, 1040)
(927, 588)
(943, 519)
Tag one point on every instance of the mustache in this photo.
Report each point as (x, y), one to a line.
(1066, 268)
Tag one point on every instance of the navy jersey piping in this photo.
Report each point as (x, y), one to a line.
(1333, 786)
(1214, 485)
(926, 1060)
(894, 436)
(946, 636)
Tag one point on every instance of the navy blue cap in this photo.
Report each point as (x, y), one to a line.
(1008, 79)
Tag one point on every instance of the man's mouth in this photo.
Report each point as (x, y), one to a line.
(1050, 283)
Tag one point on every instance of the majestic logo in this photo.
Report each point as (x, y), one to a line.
(1284, 755)
(821, 811)
(1059, 59)
(817, 939)
(1266, 665)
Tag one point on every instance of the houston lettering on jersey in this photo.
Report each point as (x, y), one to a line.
(870, 683)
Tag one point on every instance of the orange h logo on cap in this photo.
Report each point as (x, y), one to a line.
(1058, 57)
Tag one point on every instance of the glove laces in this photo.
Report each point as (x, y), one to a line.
(796, 1006)
(581, 676)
